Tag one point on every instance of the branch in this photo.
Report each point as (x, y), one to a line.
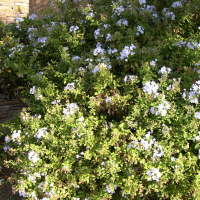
(19, 99)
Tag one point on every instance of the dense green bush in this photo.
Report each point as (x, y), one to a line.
(113, 107)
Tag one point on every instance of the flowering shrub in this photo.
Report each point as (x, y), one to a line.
(113, 103)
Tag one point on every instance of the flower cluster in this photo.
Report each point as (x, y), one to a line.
(110, 190)
(70, 109)
(148, 145)
(15, 136)
(73, 28)
(41, 133)
(154, 174)
(32, 156)
(126, 51)
(35, 91)
(194, 91)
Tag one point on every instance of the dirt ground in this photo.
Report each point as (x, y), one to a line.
(6, 189)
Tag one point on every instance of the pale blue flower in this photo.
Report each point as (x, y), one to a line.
(73, 28)
(176, 4)
(142, 2)
(140, 29)
(7, 139)
(108, 37)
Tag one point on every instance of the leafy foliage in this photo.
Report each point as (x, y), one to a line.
(109, 112)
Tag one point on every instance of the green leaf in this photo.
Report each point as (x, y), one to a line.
(87, 155)
(197, 146)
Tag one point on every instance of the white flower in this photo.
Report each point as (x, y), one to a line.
(164, 70)
(156, 152)
(33, 90)
(25, 117)
(173, 159)
(148, 135)
(162, 107)
(33, 195)
(39, 97)
(70, 86)
(150, 87)
(55, 102)
(108, 99)
(70, 109)
(145, 144)
(152, 63)
(41, 133)
(32, 156)
(197, 115)
(154, 173)
(22, 192)
(32, 178)
(109, 190)
(16, 135)
(130, 77)
(91, 14)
